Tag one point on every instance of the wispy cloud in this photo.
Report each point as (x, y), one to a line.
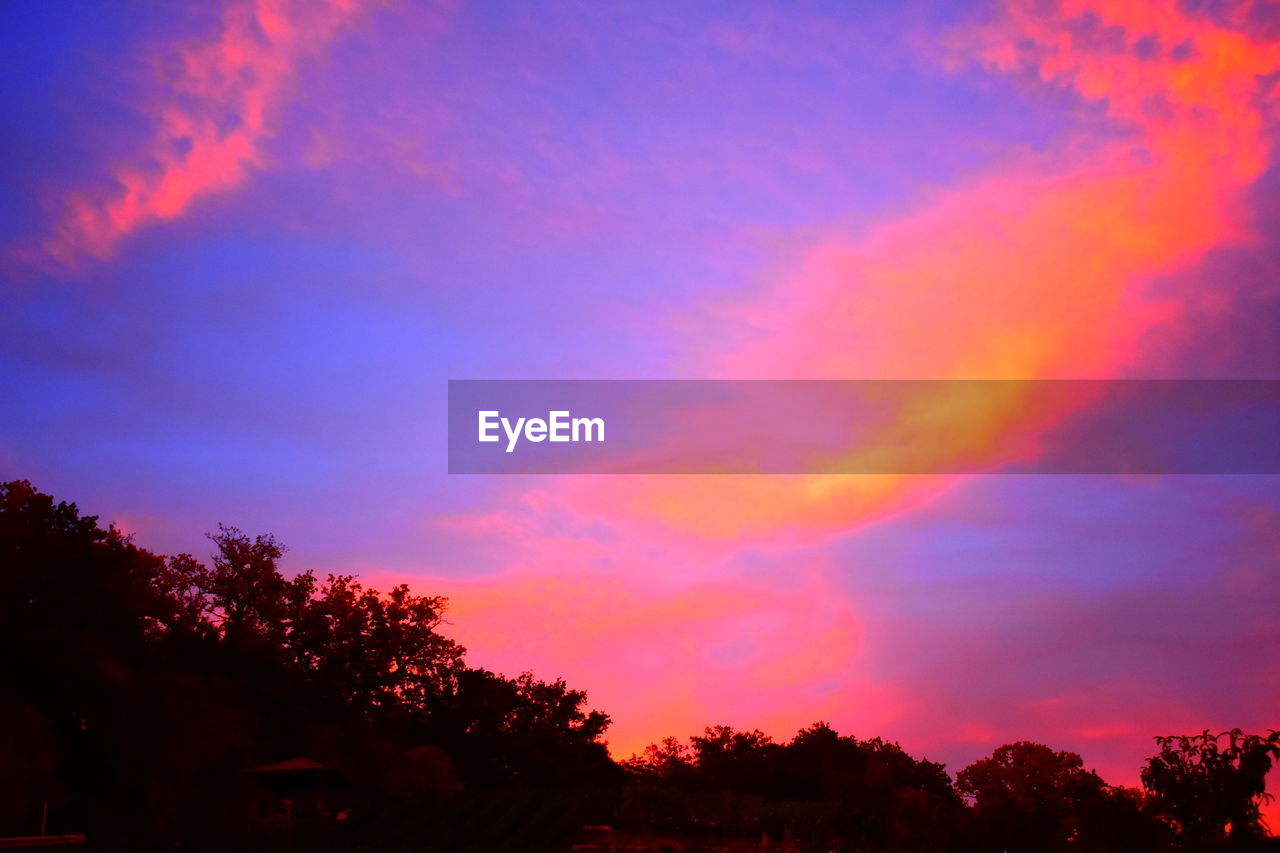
(1038, 270)
(217, 110)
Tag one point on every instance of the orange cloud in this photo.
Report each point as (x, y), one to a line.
(1038, 272)
(668, 651)
(1192, 85)
(209, 131)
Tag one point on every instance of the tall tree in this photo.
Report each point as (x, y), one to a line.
(1209, 786)
(1029, 797)
(137, 689)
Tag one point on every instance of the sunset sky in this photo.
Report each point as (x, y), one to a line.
(244, 245)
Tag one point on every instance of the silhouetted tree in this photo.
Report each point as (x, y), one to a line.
(521, 730)
(1207, 789)
(135, 690)
(818, 788)
(373, 651)
(742, 762)
(1028, 797)
(243, 589)
(76, 605)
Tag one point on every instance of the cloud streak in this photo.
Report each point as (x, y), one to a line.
(211, 123)
(1042, 270)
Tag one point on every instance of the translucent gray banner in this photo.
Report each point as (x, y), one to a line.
(864, 427)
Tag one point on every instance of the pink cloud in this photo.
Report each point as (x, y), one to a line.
(1040, 271)
(660, 653)
(210, 124)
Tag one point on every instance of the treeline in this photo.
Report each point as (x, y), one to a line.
(826, 791)
(137, 690)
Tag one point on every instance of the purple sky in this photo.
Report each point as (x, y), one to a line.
(246, 244)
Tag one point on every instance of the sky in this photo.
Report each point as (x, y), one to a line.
(245, 244)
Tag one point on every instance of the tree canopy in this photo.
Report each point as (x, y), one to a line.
(137, 690)
(145, 685)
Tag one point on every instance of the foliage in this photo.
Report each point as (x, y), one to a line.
(1209, 786)
(1027, 796)
(137, 689)
(819, 788)
(146, 686)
